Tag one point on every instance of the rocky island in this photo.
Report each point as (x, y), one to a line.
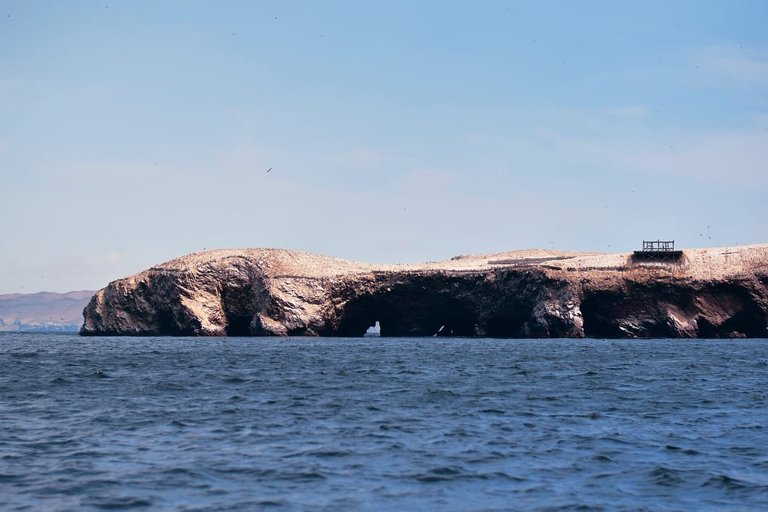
(711, 293)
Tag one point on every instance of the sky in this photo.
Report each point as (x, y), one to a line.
(135, 132)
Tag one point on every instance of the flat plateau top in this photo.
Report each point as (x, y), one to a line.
(697, 263)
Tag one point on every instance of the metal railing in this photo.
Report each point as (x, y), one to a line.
(658, 245)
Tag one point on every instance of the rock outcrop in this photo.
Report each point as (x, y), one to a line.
(718, 293)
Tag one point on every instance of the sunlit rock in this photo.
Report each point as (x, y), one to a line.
(524, 294)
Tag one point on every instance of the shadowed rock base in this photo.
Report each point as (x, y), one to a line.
(524, 294)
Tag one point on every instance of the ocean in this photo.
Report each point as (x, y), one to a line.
(382, 424)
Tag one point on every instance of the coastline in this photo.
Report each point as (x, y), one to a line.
(717, 293)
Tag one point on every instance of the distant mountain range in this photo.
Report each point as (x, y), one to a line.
(44, 311)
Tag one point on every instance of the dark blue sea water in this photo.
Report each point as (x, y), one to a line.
(382, 424)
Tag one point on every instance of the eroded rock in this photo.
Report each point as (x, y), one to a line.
(270, 292)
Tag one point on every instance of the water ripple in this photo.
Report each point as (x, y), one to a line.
(349, 424)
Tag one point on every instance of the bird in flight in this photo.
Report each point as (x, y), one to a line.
(269, 169)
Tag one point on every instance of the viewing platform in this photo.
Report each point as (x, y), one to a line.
(658, 250)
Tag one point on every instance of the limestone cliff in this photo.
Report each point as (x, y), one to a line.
(719, 292)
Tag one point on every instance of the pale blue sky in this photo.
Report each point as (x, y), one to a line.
(135, 132)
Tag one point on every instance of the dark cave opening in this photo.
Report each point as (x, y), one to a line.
(238, 325)
(357, 317)
(167, 324)
(645, 313)
(599, 316)
(603, 313)
(506, 326)
(458, 324)
(401, 314)
(237, 305)
(749, 321)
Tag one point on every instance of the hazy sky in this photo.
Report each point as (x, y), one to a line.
(135, 132)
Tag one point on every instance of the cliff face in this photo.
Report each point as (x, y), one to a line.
(268, 292)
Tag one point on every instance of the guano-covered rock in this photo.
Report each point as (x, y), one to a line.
(719, 293)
